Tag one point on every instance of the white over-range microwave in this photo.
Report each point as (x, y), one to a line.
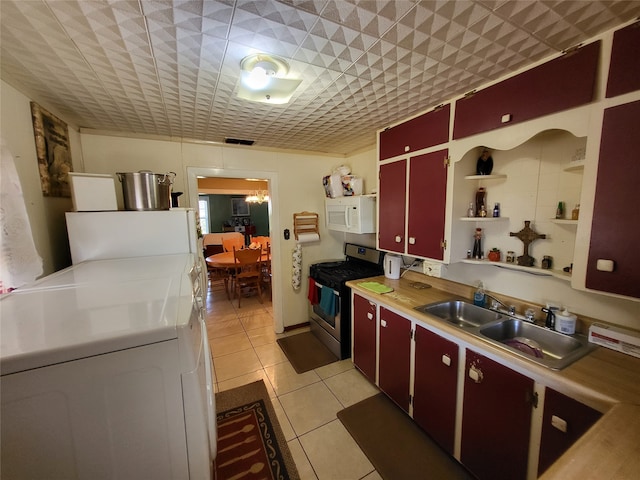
(355, 214)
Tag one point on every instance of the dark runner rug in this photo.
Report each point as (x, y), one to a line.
(306, 352)
(251, 444)
(395, 445)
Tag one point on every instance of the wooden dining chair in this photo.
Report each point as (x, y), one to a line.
(229, 244)
(262, 240)
(266, 270)
(248, 271)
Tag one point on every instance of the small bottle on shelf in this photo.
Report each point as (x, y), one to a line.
(560, 211)
(471, 212)
(496, 210)
(575, 213)
(477, 244)
(481, 195)
(483, 211)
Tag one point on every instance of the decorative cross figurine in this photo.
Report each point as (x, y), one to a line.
(526, 236)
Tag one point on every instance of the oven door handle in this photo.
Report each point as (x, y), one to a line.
(318, 284)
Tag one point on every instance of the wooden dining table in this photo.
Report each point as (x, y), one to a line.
(224, 263)
(226, 259)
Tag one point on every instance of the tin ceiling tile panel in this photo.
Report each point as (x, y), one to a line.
(171, 67)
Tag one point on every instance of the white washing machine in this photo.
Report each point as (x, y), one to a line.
(107, 373)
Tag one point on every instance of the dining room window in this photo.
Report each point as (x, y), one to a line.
(203, 208)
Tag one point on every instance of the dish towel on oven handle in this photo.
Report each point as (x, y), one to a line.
(296, 274)
(328, 301)
(313, 292)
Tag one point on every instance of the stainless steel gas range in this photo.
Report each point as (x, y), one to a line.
(331, 301)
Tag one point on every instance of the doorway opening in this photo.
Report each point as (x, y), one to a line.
(234, 205)
(231, 187)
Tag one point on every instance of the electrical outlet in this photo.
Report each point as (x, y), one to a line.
(432, 269)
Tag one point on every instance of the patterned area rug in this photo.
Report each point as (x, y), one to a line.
(250, 441)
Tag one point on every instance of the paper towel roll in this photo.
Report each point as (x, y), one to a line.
(308, 237)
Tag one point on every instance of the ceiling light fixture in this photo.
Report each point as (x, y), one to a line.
(258, 196)
(262, 79)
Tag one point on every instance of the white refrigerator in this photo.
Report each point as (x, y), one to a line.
(126, 234)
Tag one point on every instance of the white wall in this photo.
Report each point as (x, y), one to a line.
(299, 188)
(46, 214)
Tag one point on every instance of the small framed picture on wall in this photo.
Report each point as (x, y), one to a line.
(239, 207)
(53, 151)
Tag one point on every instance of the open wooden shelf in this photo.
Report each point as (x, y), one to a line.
(564, 221)
(530, 270)
(485, 177)
(483, 219)
(575, 166)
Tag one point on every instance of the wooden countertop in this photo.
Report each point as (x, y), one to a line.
(606, 380)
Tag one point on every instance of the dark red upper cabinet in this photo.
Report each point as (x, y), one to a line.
(427, 201)
(560, 84)
(615, 226)
(624, 70)
(391, 206)
(426, 130)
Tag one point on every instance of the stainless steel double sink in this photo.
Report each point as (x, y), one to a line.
(545, 347)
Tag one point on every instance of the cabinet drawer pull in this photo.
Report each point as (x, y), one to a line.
(604, 265)
(383, 323)
(407, 148)
(559, 423)
(446, 359)
(475, 374)
(398, 239)
(370, 316)
(412, 240)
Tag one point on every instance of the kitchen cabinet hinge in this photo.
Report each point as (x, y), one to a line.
(438, 107)
(470, 93)
(412, 334)
(571, 50)
(446, 161)
(410, 399)
(443, 244)
(532, 397)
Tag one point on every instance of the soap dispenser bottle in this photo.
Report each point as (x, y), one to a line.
(479, 297)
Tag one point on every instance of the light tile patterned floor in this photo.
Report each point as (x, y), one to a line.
(244, 349)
